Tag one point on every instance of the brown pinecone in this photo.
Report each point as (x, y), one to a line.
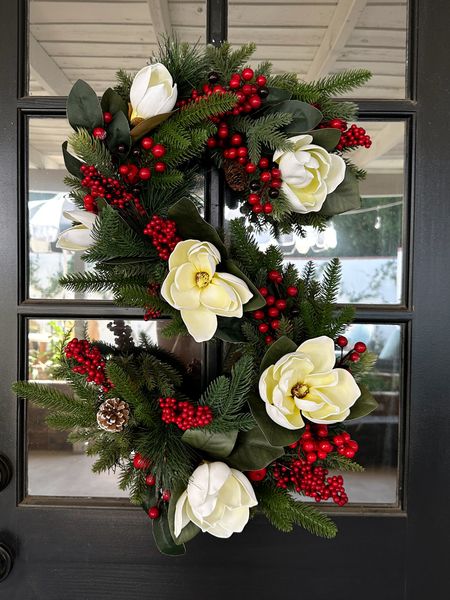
(113, 415)
(235, 175)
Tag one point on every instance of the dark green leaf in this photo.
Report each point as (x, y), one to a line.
(148, 125)
(277, 95)
(328, 138)
(257, 301)
(305, 116)
(127, 260)
(277, 350)
(83, 107)
(275, 434)
(229, 330)
(346, 197)
(150, 498)
(253, 451)
(191, 225)
(113, 102)
(190, 530)
(72, 163)
(118, 132)
(219, 445)
(164, 539)
(365, 404)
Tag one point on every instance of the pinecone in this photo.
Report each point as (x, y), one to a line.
(236, 176)
(113, 415)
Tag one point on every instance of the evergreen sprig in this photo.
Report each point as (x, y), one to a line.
(92, 151)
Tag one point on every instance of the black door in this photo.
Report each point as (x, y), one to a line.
(65, 534)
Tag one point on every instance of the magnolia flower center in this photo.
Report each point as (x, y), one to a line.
(300, 390)
(202, 279)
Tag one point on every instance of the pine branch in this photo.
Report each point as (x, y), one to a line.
(225, 61)
(92, 151)
(124, 386)
(123, 86)
(342, 463)
(46, 396)
(336, 84)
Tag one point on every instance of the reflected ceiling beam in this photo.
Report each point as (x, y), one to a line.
(160, 17)
(343, 22)
(37, 160)
(44, 69)
(384, 140)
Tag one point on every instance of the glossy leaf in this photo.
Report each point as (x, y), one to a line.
(328, 138)
(218, 445)
(72, 163)
(113, 102)
(118, 132)
(229, 330)
(274, 434)
(305, 116)
(277, 95)
(83, 107)
(365, 404)
(277, 350)
(164, 539)
(253, 451)
(346, 197)
(148, 125)
(258, 300)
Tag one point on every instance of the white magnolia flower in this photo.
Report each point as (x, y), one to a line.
(305, 384)
(152, 92)
(77, 237)
(217, 500)
(198, 292)
(309, 174)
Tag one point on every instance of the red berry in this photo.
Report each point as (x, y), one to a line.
(160, 167)
(247, 90)
(268, 208)
(265, 176)
(270, 300)
(123, 169)
(150, 479)
(292, 291)
(263, 163)
(273, 312)
(338, 440)
(259, 314)
(268, 339)
(276, 173)
(242, 152)
(311, 457)
(146, 143)
(321, 454)
(275, 324)
(235, 83)
(263, 291)
(140, 462)
(153, 512)
(145, 173)
(257, 475)
(253, 199)
(273, 275)
(250, 168)
(107, 117)
(263, 328)
(261, 80)
(308, 446)
(255, 102)
(354, 357)
(211, 142)
(158, 151)
(236, 139)
(257, 209)
(342, 341)
(166, 495)
(247, 74)
(349, 453)
(360, 347)
(280, 304)
(322, 431)
(99, 133)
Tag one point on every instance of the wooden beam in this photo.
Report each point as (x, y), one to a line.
(343, 22)
(384, 140)
(160, 17)
(44, 69)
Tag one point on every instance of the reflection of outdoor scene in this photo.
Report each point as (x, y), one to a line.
(48, 449)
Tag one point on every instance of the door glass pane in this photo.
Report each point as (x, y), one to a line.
(369, 240)
(314, 39)
(57, 467)
(91, 39)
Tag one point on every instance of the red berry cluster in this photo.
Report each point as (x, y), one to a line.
(352, 355)
(89, 361)
(184, 414)
(108, 188)
(143, 464)
(164, 235)
(208, 89)
(316, 444)
(152, 313)
(310, 481)
(265, 187)
(277, 299)
(250, 90)
(350, 138)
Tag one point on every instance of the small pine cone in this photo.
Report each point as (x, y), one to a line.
(235, 176)
(113, 415)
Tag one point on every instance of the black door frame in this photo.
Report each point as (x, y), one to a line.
(387, 554)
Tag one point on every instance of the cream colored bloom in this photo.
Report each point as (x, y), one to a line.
(309, 174)
(217, 500)
(198, 292)
(305, 384)
(78, 237)
(152, 92)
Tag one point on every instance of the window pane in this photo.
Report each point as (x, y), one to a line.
(57, 467)
(91, 40)
(369, 240)
(314, 39)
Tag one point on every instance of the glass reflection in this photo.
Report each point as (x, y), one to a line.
(57, 467)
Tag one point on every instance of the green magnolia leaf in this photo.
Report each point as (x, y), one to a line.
(118, 132)
(72, 163)
(277, 95)
(126, 260)
(150, 498)
(191, 225)
(253, 451)
(83, 107)
(113, 102)
(190, 530)
(275, 434)
(258, 300)
(328, 138)
(305, 116)
(164, 539)
(148, 125)
(229, 330)
(345, 197)
(219, 445)
(365, 404)
(277, 350)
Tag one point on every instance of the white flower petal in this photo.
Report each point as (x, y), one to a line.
(239, 285)
(337, 172)
(181, 518)
(84, 217)
(320, 351)
(77, 238)
(140, 85)
(180, 254)
(201, 323)
(185, 299)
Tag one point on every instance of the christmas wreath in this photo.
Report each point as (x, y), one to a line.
(268, 430)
